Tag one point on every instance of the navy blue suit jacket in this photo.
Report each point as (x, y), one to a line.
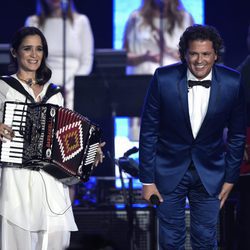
(167, 146)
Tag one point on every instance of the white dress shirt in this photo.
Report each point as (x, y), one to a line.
(198, 98)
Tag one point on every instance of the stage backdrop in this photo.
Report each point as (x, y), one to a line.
(229, 16)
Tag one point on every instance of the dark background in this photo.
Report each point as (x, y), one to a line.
(230, 17)
(14, 13)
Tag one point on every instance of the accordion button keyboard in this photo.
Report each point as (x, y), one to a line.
(15, 117)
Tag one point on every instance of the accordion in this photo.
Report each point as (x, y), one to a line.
(60, 141)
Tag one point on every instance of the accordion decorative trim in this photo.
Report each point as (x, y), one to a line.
(70, 140)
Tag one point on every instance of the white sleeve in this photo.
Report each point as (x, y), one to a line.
(188, 19)
(87, 41)
(129, 39)
(56, 99)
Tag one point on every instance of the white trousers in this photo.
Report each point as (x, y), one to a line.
(13, 237)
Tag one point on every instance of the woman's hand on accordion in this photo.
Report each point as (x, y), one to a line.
(6, 132)
(99, 156)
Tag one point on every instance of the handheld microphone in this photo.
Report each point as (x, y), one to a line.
(130, 152)
(154, 199)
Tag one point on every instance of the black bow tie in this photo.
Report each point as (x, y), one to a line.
(206, 83)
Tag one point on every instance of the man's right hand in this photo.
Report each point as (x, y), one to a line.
(148, 190)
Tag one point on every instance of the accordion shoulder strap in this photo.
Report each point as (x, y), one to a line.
(14, 83)
(51, 90)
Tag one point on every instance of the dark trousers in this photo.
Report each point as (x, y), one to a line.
(204, 212)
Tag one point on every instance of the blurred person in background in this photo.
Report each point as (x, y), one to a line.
(142, 36)
(49, 19)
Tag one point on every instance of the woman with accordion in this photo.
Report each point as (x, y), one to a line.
(35, 207)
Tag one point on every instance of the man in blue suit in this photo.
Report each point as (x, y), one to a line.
(182, 148)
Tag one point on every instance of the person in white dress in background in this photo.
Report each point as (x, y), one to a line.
(142, 40)
(35, 207)
(79, 42)
(142, 35)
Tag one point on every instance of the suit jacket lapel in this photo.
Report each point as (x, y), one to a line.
(212, 104)
(183, 93)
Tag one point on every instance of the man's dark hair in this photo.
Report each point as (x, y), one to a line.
(200, 32)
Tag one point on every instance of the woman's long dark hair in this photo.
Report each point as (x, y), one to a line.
(43, 11)
(43, 74)
(173, 12)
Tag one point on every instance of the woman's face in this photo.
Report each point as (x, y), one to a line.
(29, 54)
(53, 4)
